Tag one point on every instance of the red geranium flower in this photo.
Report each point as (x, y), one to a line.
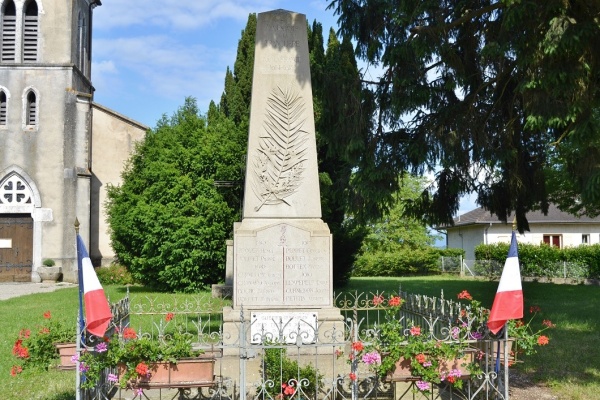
(464, 295)
(16, 369)
(377, 300)
(421, 358)
(169, 316)
(352, 376)
(534, 309)
(129, 333)
(141, 369)
(357, 346)
(548, 323)
(288, 390)
(47, 315)
(394, 301)
(543, 340)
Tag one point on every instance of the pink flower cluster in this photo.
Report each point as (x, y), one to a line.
(371, 358)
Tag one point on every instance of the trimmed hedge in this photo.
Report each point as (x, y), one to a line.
(547, 261)
(419, 261)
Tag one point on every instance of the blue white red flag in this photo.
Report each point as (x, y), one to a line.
(97, 310)
(508, 303)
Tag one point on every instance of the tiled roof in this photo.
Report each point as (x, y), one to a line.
(481, 216)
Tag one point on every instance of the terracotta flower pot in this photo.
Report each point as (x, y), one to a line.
(188, 372)
(66, 352)
(403, 370)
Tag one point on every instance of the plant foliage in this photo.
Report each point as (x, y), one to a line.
(490, 96)
(290, 380)
(168, 221)
(397, 244)
(35, 346)
(547, 261)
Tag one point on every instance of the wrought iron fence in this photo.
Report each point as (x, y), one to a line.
(297, 355)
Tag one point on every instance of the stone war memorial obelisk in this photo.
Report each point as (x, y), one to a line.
(282, 250)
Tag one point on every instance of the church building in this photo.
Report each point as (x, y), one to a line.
(58, 149)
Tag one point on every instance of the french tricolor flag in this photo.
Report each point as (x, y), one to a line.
(508, 303)
(97, 310)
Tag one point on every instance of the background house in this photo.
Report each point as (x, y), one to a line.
(557, 229)
(58, 149)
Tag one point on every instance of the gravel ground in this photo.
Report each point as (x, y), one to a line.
(522, 388)
(13, 289)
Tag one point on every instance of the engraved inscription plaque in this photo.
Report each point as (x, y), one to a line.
(283, 265)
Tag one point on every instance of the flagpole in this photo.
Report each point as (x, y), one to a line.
(80, 281)
(80, 322)
(506, 376)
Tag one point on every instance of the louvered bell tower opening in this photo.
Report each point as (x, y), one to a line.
(9, 31)
(30, 32)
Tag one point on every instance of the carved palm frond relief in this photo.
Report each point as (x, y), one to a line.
(278, 162)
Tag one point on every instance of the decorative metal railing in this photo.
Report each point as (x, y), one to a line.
(297, 355)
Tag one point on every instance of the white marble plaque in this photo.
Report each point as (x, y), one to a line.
(282, 266)
(283, 327)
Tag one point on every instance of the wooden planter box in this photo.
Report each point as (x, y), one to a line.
(403, 371)
(66, 352)
(189, 372)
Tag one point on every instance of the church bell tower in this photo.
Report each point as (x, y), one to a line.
(45, 133)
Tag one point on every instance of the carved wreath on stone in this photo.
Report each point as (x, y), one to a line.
(278, 163)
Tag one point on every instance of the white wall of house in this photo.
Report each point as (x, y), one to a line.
(571, 235)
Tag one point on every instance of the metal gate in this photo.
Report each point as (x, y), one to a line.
(16, 247)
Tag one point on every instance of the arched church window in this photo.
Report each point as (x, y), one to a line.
(3, 107)
(31, 111)
(14, 190)
(30, 32)
(9, 31)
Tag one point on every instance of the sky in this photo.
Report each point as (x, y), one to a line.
(149, 55)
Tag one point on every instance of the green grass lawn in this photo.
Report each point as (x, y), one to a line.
(570, 364)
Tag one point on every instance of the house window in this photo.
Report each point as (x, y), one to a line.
(553, 240)
(30, 32)
(31, 112)
(3, 107)
(9, 30)
(585, 238)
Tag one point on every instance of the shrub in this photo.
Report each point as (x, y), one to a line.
(48, 262)
(547, 261)
(115, 274)
(168, 221)
(416, 261)
(288, 377)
